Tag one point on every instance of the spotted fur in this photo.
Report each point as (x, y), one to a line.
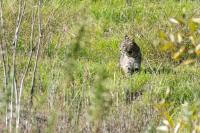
(131, 57)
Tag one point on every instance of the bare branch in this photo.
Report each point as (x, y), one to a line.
(31, 53)
(2, 46)
(27, 67)
(14, 84)
(37, 53)
(19, 20)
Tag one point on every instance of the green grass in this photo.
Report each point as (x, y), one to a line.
(79, 85)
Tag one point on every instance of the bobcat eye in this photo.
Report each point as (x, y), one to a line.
(129, 52)
(136, 70)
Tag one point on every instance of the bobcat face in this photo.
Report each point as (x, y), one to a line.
(130, 59)
(130, 51)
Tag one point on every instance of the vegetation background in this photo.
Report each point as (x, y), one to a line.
(59, 67)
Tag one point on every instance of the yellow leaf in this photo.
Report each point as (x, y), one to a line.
(188, 61)
(192, 40)
(196, 20)
(172, 38)
(163, 35)
(192, 26)
(167, 46)
(178, 54)
(190, 51)
(179, 37)
(197, 50)
(174, 21)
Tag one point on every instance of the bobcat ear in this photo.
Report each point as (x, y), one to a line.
(126, 36)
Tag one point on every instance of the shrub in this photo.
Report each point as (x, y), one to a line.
(181, 39)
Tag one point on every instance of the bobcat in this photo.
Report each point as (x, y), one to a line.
(131, 57)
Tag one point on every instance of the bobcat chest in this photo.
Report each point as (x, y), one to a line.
(127, 63)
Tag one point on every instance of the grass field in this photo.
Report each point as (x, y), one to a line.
(78, 85)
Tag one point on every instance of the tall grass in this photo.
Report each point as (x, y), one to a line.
(78, 84)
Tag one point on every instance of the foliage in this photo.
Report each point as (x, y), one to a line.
(186, 121)
(181, 38)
